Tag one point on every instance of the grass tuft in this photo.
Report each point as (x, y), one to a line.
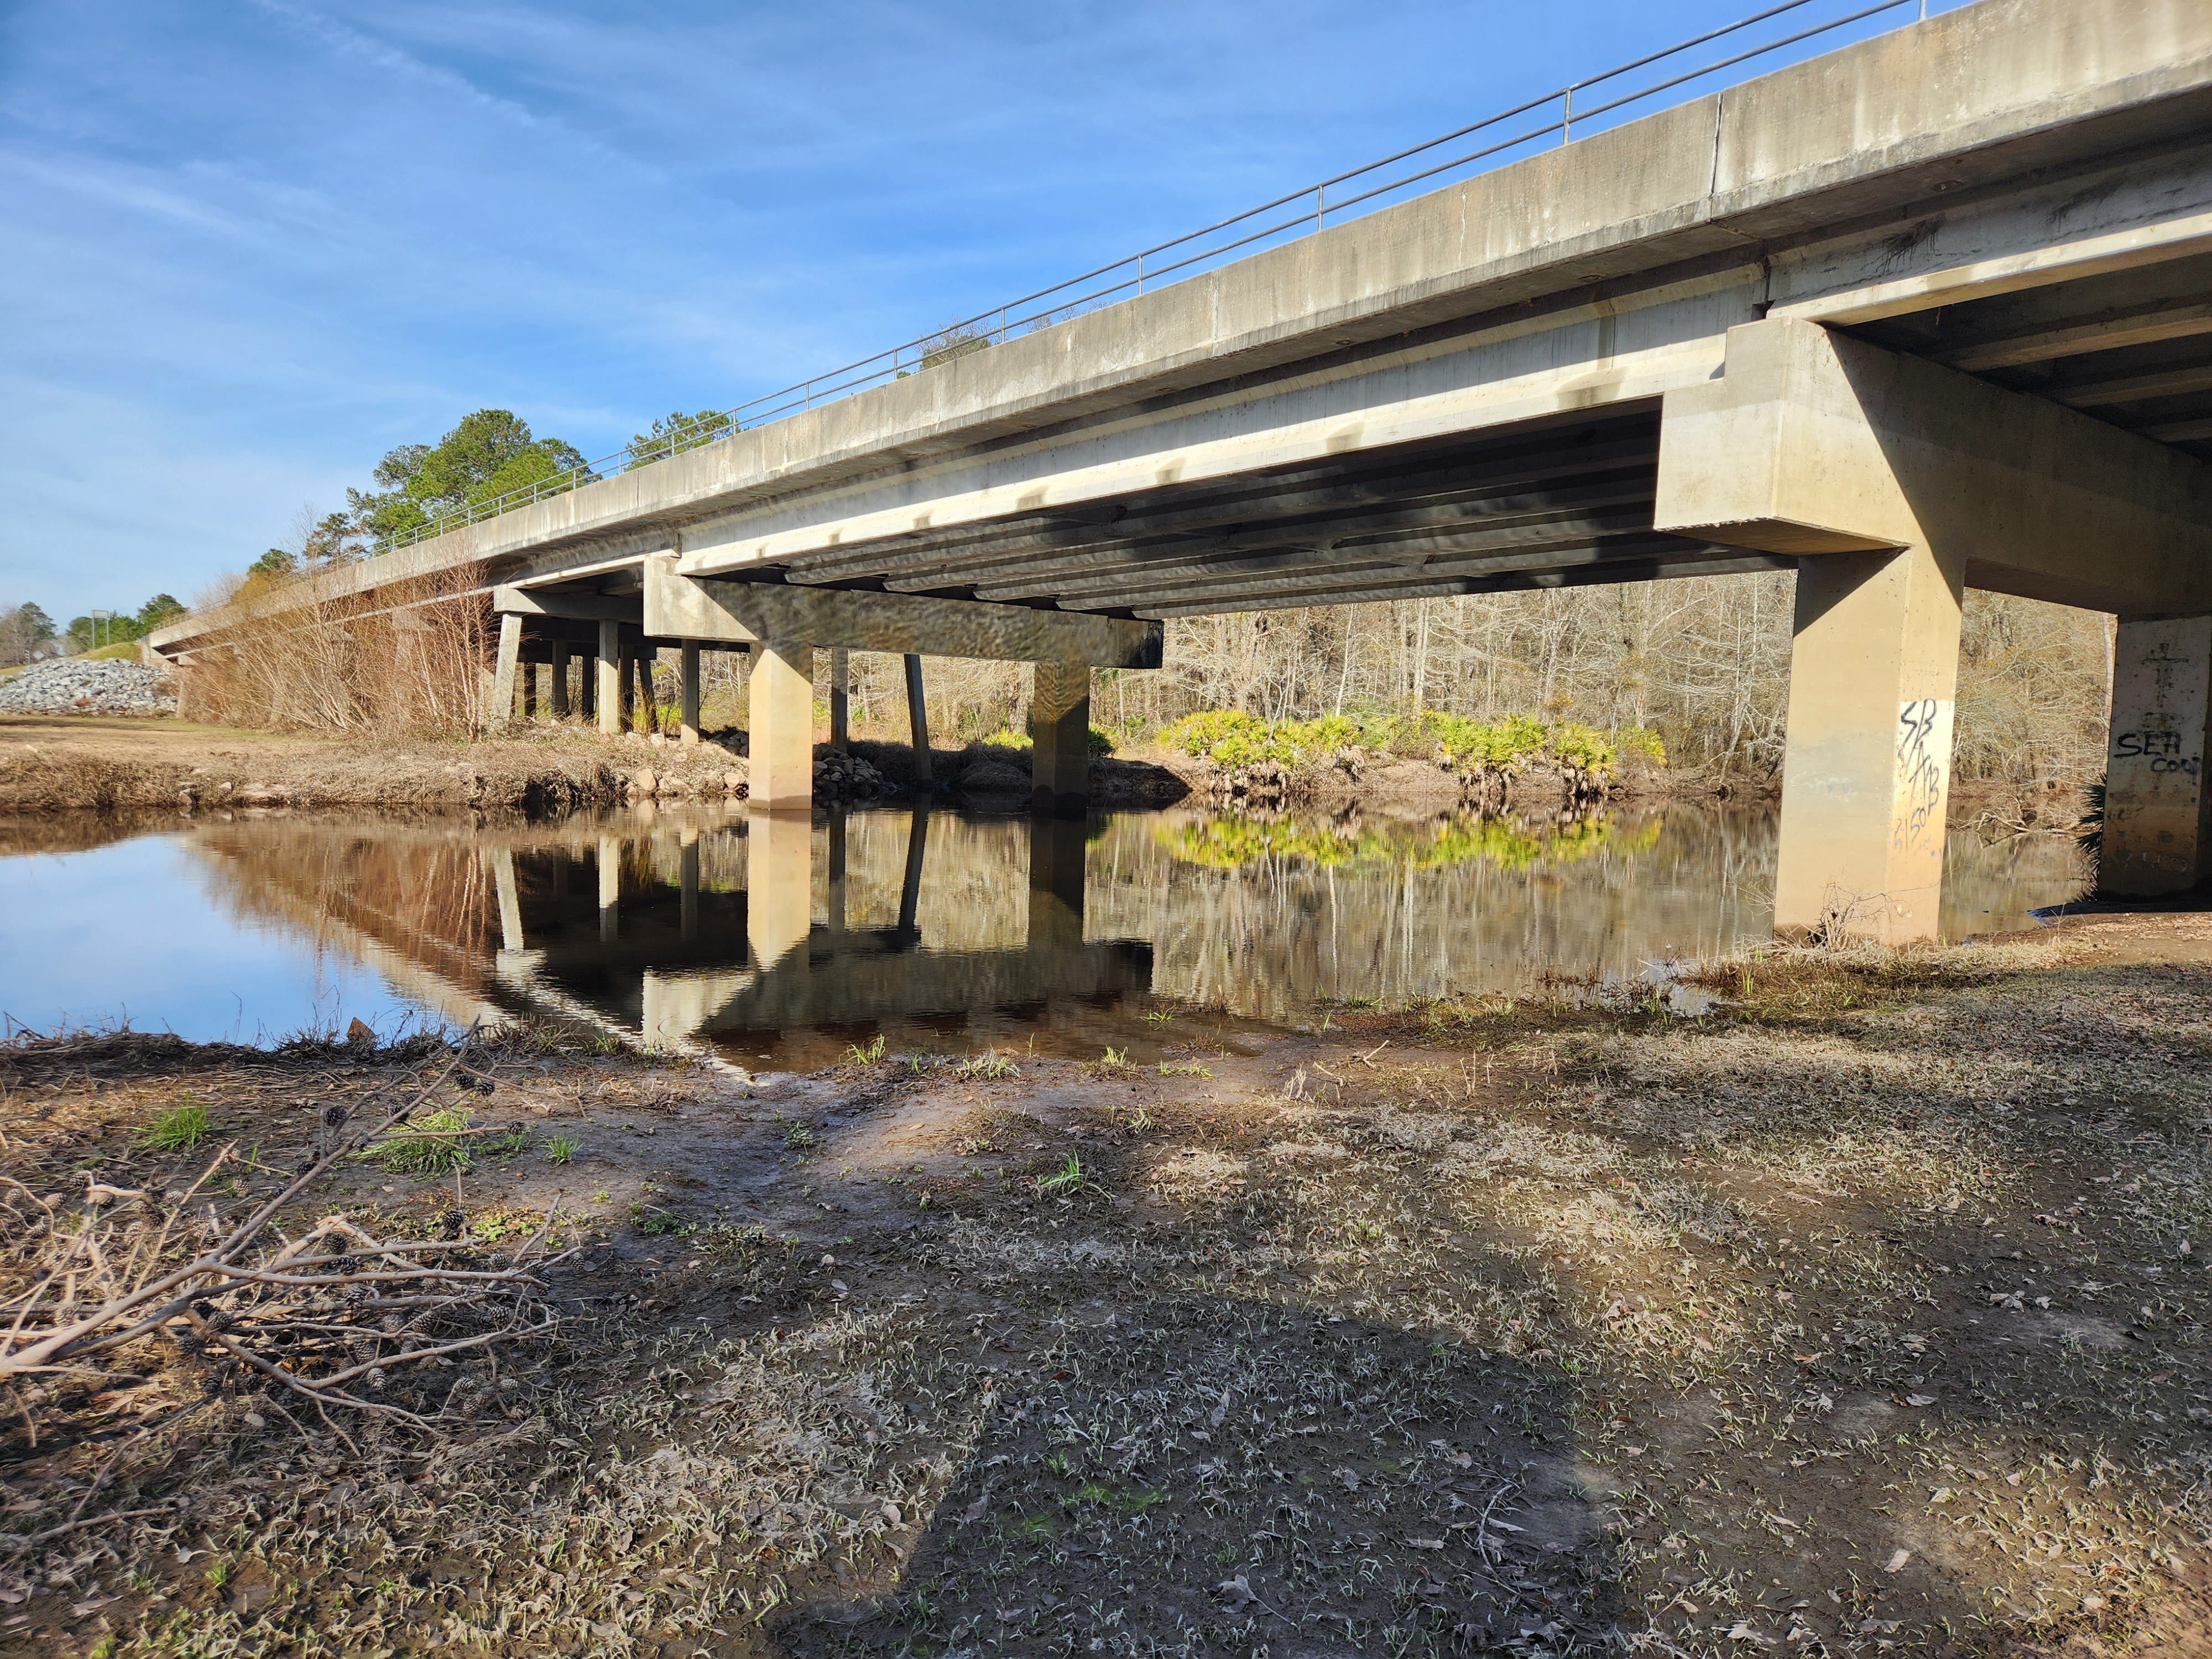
(429, 1146)
(179, 1129)
(1066, 1181)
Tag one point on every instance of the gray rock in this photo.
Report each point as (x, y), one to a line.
(63, 686)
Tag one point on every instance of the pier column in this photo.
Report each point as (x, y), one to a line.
(1060, 729)
(917, 718)
(559, 703)
(2157, 836)
(503, 680)
(1874, 672)
(644, 716)
(779, 767)
(608, 675)
(841, 670)
(690, 672)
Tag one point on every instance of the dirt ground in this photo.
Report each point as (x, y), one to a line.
(1865, 1315)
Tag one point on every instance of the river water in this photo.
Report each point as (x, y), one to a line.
(775, 945)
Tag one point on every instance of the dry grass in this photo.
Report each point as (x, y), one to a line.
(1854, 1319)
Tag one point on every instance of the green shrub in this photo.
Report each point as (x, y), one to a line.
(1583, 746)
(1231, 737)
(1100, 743)
(1643, 744)
(1010, 738)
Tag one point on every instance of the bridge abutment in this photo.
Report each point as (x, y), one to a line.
(2157, 836)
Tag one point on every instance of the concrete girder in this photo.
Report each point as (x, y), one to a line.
(1971, 244)
(1344, 545)
(1515, 547)
(694, 608)
(1643, 556)
(1319, 492)
(2160, 302)
(1469, 518)
(2096, 391)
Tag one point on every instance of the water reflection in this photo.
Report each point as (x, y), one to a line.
(767, 940)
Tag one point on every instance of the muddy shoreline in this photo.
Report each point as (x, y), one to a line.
(1863, 1316)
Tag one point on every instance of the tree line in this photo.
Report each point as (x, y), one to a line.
(26, 631)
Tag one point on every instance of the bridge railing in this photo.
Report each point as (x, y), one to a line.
(1555, 116)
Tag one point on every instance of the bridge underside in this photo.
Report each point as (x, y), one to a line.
(1547, 504)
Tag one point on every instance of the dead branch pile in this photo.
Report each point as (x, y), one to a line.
(119, 1288)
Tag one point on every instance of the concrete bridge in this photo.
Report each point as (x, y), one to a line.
(1930, 312)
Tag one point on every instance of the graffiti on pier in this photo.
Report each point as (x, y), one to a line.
(1923, 761)
(2162, 749)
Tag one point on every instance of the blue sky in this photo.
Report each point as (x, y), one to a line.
(251, 245)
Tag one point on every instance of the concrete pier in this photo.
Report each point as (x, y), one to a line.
(501, 712)
(608, 675)
(2158, 816)
(1059, 729)
(781, 766)
(1895, 483)
(917, 718)
(1874, 671)
(690, 693)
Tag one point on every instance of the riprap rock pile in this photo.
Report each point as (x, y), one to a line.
(63, 686)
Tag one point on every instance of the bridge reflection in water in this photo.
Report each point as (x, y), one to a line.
(769, 927)
(766, 938)
(760, 937)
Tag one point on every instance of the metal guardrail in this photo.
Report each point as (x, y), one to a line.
(1299, 213)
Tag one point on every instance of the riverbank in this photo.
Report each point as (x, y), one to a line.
(1864, 1315)
(88, 762)
(55, 763)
